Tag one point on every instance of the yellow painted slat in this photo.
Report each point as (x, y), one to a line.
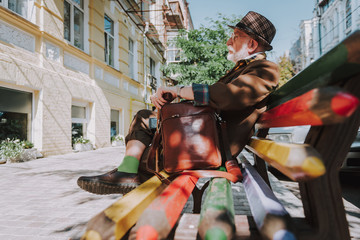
(297, 161)
(118, 218)
(126, 211)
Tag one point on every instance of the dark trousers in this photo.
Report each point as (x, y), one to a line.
(140, 130)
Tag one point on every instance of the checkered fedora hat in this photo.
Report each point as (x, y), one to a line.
(259, 27)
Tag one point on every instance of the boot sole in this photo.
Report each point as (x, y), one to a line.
(104, 189)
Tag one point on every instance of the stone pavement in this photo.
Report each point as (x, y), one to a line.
(41, 200)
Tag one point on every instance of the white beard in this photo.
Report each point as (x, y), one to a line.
(237, 56)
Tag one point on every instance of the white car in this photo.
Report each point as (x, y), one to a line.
(289, 134)
(298, 135)
(352, 161)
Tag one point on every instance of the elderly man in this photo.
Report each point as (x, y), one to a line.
(239, 97)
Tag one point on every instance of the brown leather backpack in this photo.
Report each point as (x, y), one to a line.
(189, 138)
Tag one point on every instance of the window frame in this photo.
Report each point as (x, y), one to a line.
(324, 35)
(153, 79)
(348, 15)
(84, 121)
(131, 58)
(5, 4)
(172, 52)
(30, 128)
(73, 6)
(152, 67)
(173, 55)
(107, 36)
(120, 121)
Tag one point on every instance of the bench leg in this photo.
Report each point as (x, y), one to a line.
(197, 196)
(259, 162)
(322, 198)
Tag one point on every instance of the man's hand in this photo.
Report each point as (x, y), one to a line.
(158, 98)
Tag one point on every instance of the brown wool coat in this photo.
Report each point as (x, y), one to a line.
(240, 97)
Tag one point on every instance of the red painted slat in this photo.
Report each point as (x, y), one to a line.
(161, 215)
(319, 106)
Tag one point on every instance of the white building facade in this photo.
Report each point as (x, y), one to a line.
(333, 21)
(301, 53)
(75, 68)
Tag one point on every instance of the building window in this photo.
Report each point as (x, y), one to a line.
(336, 28)
(324, 33)
(331, 30)
(19, 6)
(74, 22)
(79, 121)
(348, 14)
(109, 40)
(152, 67)
(114, 123)
(172, 53)
(15, 114)
(152, 73)
(143, 9)
(131, 59)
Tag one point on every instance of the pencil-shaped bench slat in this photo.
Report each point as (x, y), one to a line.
(187, 230)
(319, 106)
(161, 215)
(119, 217)
(271, 218)
(297, 161)
(217, 213)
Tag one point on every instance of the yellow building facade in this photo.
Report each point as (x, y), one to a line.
(71, 68)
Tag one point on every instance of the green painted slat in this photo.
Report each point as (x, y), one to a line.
(327, 70)
(217, 213)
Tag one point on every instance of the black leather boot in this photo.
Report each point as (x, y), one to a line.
(110, 182)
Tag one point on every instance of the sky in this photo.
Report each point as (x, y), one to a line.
(286, 15)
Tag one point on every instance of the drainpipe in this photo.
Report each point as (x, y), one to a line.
(145, 74)
(319, 26)
(320, 48)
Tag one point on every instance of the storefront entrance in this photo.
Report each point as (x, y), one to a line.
(15, 114)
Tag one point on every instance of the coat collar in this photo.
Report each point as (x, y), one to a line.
(249, 59)
(246, 61)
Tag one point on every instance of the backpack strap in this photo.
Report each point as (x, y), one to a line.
(231, 163)
(212, 173)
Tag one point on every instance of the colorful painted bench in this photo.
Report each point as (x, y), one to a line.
(324, 95)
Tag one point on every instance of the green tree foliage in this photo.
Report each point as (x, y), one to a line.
(203, 54)
(286, 69)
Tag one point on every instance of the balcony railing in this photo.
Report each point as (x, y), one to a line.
(175, 15)
(176, 9)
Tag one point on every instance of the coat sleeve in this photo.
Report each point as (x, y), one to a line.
(255, 82)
